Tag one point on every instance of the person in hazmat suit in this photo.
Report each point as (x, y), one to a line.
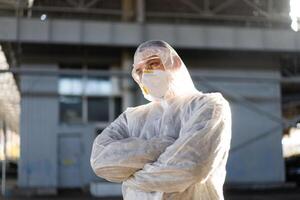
(176, 146)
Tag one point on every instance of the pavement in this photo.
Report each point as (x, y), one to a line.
(269, 194)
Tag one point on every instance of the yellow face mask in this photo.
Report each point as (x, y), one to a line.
(145, 90)
(148, 71)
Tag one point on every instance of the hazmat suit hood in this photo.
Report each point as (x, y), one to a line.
(179, 82)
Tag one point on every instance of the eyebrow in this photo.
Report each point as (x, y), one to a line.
(156, 59)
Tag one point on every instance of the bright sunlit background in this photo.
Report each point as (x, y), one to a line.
(295, 14)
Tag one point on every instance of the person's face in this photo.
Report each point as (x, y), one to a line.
(151, 63)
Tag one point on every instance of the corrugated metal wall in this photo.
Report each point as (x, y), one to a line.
(256, 150)
(39, 115)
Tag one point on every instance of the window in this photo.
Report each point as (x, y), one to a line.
(88, 99)
(70, 109)
(117, 106)
(91, 86)
(70, 85)
(96, 86)
(98, 109)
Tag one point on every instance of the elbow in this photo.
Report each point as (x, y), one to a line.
(102, 172)
(109, 170)
(112, 173)
(98, 169)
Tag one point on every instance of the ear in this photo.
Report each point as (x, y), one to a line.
(177, 62)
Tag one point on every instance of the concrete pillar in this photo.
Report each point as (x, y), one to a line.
(127, 10)
(140, 11)
(127, 83)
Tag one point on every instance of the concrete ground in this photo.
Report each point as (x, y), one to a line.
(278, 194)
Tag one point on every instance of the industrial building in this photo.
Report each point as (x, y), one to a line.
(72, 61)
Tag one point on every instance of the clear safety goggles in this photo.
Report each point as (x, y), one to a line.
(147, 66)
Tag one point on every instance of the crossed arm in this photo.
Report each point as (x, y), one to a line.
(160, 164)
(116, 156)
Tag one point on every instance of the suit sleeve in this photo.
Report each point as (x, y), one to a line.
(202, 147)
(116, 156)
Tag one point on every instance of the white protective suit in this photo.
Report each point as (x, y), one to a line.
(175, 148)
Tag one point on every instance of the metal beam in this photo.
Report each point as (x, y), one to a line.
(191, 5)
(206, 6)
(223, 6)
(220, 17)
(72, 3)
(77, 10)
(204, 13)
(256, 8)
(131, 34)
(91, 3)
